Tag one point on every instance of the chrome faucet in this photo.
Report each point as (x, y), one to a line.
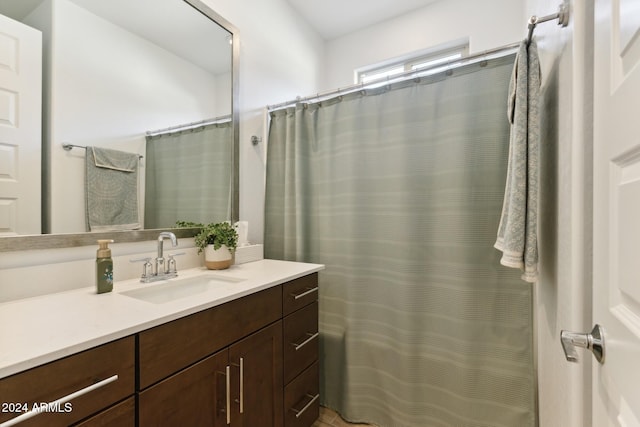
(161, 268)
(164, 268)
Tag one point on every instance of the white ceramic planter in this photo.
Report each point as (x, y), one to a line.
(217, 259)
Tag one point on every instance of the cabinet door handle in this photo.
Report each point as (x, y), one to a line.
(304, 294)
(240, 399)
(242, 385)
(228, 375)
(307, 406)
(58, 402)
(305, 342)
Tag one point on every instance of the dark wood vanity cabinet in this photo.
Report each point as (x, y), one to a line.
(239, 386)
(257, 363)
(300, 353)
(251, 362)
(222, 366)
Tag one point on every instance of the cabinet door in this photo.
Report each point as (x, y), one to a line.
(257, 384)
(196, 396)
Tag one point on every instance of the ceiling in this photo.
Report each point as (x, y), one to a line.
(335, 18)
(330, 18)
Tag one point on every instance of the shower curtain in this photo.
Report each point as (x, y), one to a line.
(188, 176)
(398, 191)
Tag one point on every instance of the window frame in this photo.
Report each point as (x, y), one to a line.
(412, 61)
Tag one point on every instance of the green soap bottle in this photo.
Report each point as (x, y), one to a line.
(104, 267)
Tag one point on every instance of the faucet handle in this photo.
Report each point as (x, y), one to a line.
(147, 268)
(171, 263)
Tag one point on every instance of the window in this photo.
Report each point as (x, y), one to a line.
(425, 59)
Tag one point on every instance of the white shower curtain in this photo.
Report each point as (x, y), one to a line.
(188, 176)
(398, 191)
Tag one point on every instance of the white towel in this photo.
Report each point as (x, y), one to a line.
(517, 233)
(111, 190)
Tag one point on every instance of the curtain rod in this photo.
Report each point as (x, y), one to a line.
(562, 16)
(399, 77)
(187, 126)
(68, 147)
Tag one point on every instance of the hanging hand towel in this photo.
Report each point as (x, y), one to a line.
(517, 233)
(111, 190)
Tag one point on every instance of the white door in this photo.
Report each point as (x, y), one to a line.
(20, 127)
(616, 262)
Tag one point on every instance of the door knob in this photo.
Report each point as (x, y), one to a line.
(593, 341)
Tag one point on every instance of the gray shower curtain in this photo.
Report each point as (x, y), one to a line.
(188, 176)
(398, 191)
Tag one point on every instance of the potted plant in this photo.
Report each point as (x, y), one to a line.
(218, 241)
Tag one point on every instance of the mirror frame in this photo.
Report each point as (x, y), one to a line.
(57, 241)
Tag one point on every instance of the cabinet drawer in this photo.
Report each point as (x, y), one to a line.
(302, 399)
(121, 415)
(299, 292)
(300, 340)
(63, 377)
(168, 348)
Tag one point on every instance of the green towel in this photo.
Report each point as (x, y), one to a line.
(111, 190)
(517, 233)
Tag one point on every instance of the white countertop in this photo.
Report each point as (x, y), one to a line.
(38, 330)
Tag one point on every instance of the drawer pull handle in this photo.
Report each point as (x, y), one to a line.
(305, 342)
(228, 375)
(301, 411)
(58, 402)
(304, 294)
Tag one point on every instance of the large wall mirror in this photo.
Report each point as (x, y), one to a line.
(152, 78)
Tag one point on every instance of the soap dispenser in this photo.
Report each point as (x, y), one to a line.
(104, 267)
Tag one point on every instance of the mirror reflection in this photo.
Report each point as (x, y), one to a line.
(139, 93)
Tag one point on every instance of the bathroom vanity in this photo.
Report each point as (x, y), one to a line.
(240, 350)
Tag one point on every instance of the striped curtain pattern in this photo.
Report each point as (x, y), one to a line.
(398, 191)
(188, 176)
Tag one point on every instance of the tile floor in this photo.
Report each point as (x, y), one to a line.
(329, 418)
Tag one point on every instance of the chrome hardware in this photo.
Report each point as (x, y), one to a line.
(172, 267)
(304, 294)
(305, 342)
(228, 375)
(240, 400)
(163, 270)
(147, 268)
(160, 266)
(307, 406)
(593, 341)
(56, 403)
(241, 385)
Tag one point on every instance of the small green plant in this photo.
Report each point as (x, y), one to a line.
(216, 234)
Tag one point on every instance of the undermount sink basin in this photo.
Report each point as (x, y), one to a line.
(173, 289)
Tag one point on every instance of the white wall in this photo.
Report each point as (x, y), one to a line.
(563, 294)
(487, 24)
(280, 58)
